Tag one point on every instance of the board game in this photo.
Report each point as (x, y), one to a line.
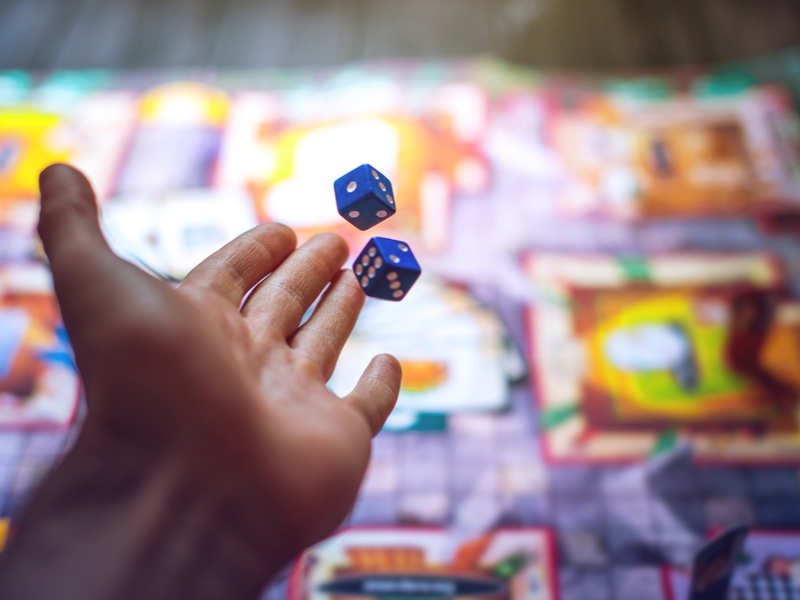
(417, 562)
(766, 569)
(39, 384)
(455, 354)
(625, 349)
(601, 354)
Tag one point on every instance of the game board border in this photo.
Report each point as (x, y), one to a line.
(549, 534)
(437, 249)
(42, 425)
(781, 287)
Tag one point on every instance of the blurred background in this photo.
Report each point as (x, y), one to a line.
(37, 34)
(602, 356)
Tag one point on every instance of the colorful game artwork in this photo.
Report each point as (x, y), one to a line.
(90, 132)
(768, 568)
(39, 384)
(170, 233)
(286, 147)
(627, 353)
(679, 154)
(455, 354)
(177, 138)
(28, 143)
(18, 220)
(406, 562)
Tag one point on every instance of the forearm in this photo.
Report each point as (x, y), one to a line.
(119, 521)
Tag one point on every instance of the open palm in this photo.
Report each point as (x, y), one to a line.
(216, 382)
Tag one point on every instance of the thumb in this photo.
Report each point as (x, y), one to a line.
(82, 263)
(68, 216)
(376, 392)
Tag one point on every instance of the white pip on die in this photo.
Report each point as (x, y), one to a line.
(386, 269)
(364, 197)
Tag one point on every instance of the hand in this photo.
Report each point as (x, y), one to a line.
(209, 419)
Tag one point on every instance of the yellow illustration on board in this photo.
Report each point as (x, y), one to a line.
(30, 140)
(183, 103)
(664, 354)
(425, 167)
(287, 156)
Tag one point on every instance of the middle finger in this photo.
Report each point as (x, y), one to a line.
(323, 336)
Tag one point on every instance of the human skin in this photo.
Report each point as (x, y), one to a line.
(212, 452)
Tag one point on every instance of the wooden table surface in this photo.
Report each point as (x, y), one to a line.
(36, 34)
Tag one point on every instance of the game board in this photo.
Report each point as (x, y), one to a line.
(69, 117)
(488, 161)
(179, 127)
(624, 350)
(423, 135)
(39, 385)
(384, 563)
(768, 569)
(455, 354)
(677, 153)
(170, 232)
(281, 154)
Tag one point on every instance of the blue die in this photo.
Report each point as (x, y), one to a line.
(364, 197)
(386, 269)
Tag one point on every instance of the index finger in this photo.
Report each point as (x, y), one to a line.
(237, 267)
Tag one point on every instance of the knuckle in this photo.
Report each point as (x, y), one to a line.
(293, 294)
(326, 346)
(283, 230)
(246, 259)
(374, 417)
(308, 366)
(70, 204)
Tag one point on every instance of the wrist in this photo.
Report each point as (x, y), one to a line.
(144, 521)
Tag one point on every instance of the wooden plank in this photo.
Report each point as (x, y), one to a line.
(747, 28)
(258, 33)
(170, 34)
(212, 14)
(506, 19)
(416, 28)
(689, 14)
(101, 36)
(61, 19)
(254, 34)
(583, 34)
(352, 22)
(22, 32)
(319, 34)
(188, 33)
(181, 35)
(673, 42)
